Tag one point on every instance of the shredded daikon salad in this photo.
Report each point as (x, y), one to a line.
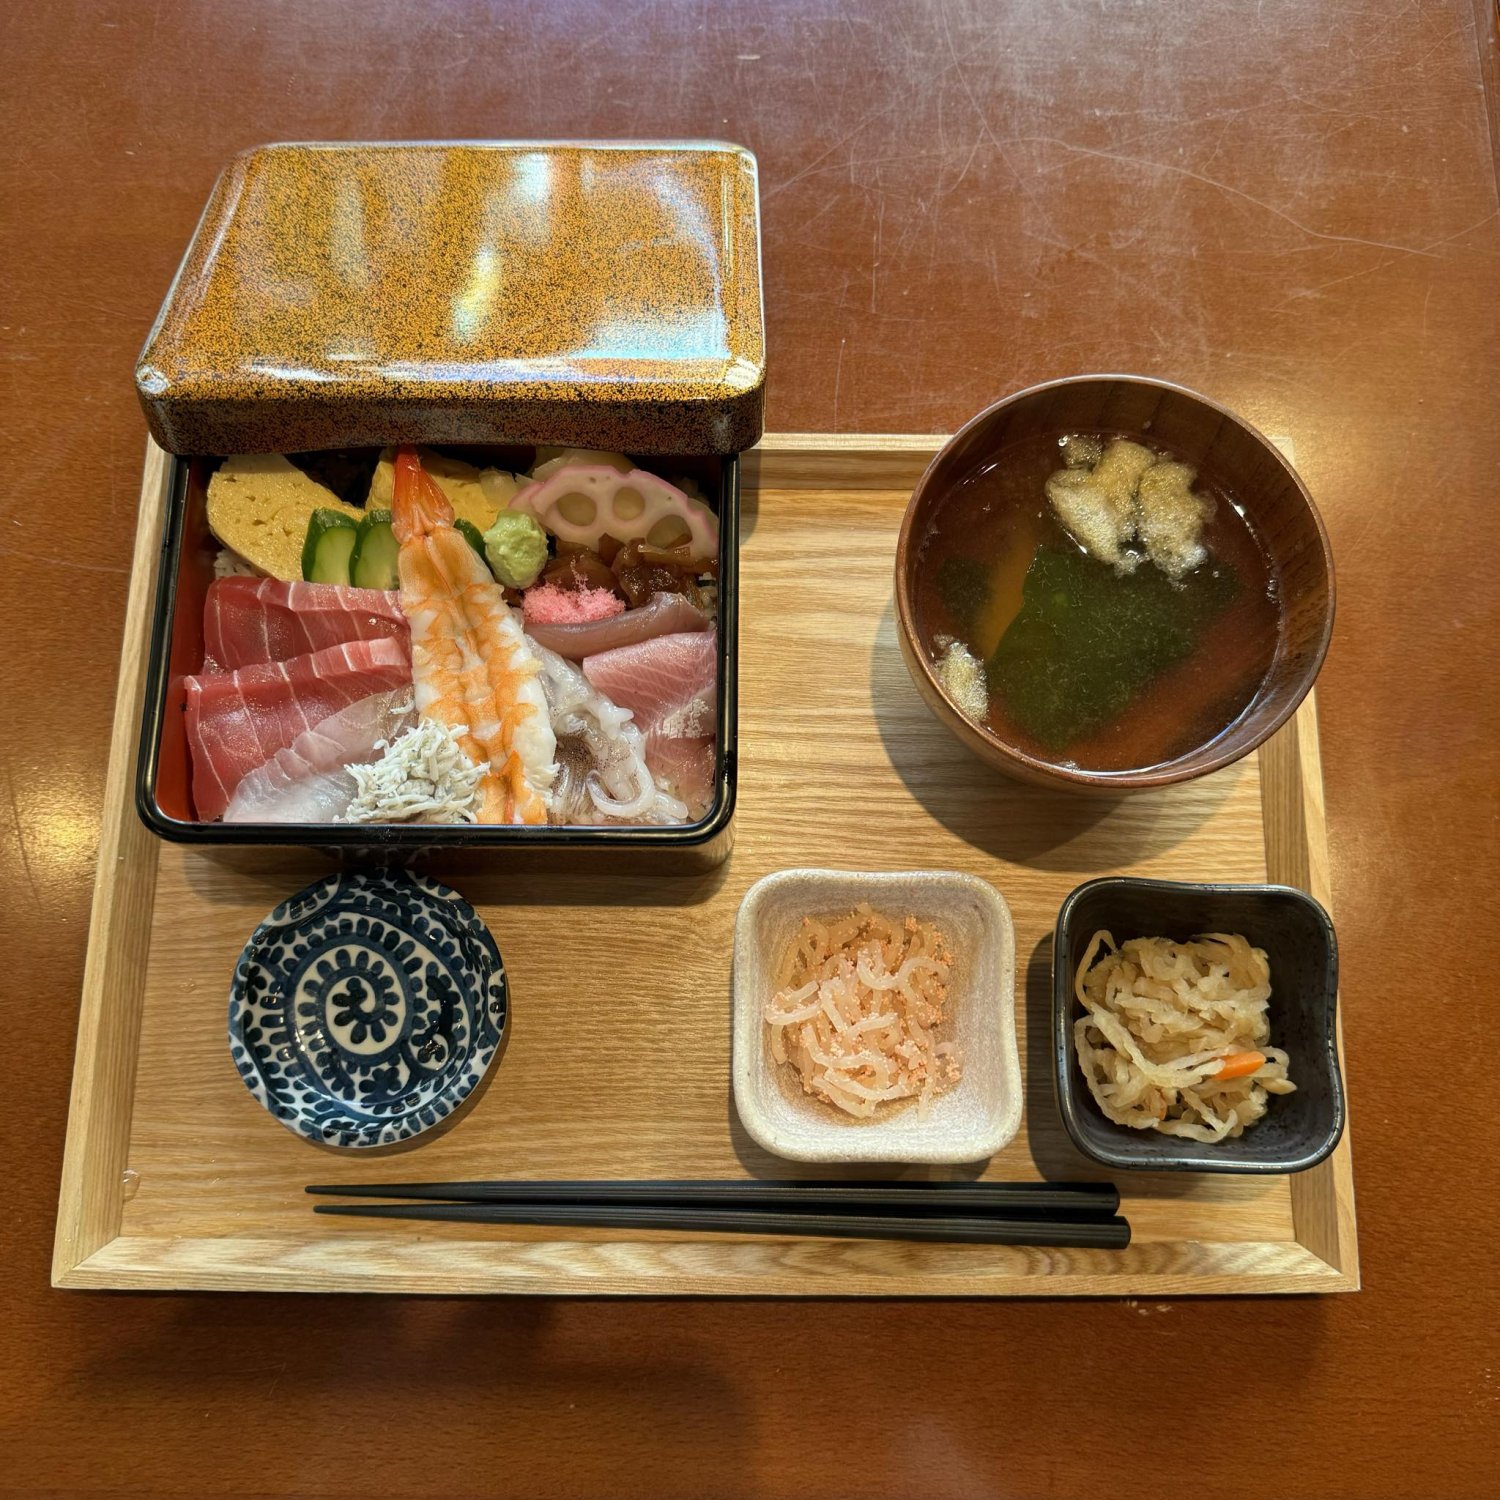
(1176, 1037)
(423, 777)
(859, 1000)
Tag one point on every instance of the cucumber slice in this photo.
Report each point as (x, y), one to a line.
(373, 564)
(330, 541)
(471, 534)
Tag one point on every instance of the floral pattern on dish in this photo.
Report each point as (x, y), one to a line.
(367, 1007)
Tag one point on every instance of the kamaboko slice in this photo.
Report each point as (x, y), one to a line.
(583, 503)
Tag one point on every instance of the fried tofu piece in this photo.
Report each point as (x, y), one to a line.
(1119, 471)
(1080, 451)
(1098, 505)
(1084, 508)
(1130, 495)
(1171, 518)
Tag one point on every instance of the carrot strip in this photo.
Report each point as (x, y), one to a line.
(1239, 1064)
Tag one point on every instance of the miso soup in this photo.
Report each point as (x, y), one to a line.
(1134, 632)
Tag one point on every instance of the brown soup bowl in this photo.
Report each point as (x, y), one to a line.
(1227, 451)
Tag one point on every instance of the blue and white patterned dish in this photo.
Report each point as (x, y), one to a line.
(367, 1007)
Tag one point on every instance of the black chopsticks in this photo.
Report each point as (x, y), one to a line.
(1023, 1213)
(813, 1193)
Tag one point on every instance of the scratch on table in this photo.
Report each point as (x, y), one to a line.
(968, 162)
(15, 813)
(838, 376)
(1302, 293)
(65, 562)
(823, 156)
(1151, 291)
(974, 104)
(855, 165)
(1230, 190)
(1458, 234)
(924, 320)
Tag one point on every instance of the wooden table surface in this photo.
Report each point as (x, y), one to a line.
(1290, 206)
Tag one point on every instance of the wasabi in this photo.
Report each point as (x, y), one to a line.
(515, 547)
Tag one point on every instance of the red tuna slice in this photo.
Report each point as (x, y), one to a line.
(251, 620)
(663, 614)
(238, 720)
(308, 781)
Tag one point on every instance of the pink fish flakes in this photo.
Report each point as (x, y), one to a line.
(547, 604)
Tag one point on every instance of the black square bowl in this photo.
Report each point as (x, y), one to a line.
(1299, 1129)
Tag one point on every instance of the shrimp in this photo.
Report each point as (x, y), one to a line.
(472, 667)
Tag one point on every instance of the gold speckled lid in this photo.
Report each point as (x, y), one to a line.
(601, 294)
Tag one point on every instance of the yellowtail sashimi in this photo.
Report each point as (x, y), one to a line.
(472, 667)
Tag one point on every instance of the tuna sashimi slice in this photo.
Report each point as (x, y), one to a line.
(668, 683)
(250, 620)
(238, 720)
(687, 765)
(308, 781)
(663, 614)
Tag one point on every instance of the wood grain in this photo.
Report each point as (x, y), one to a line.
(1290, 206)
(814, 460)
(1297, 854)
(460, 1266)
(94, 1163)
(859, 770)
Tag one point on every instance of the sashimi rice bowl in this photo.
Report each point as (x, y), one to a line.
(431, 637)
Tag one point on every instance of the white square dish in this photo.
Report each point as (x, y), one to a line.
(973, 1120)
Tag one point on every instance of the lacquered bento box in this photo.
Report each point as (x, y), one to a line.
(482, 299)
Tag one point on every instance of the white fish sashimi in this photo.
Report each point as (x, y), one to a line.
(307, 782)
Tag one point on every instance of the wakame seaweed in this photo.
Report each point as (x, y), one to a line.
(964, 586)
(1087, 640)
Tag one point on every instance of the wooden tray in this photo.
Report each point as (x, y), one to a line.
(618, 1062)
